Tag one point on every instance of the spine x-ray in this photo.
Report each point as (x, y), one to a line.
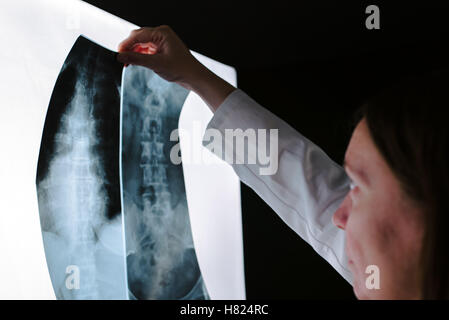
(112, 205)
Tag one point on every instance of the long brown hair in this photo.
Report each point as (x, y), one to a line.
(409, 124)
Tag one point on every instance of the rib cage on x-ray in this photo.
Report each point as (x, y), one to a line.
(79, 194)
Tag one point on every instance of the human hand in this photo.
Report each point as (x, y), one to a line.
(161, 50)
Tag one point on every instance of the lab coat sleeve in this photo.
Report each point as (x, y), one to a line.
(307, 187)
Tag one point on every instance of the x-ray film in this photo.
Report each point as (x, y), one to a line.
(112, 207)
(161, 259)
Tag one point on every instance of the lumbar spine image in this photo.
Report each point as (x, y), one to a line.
(155, 198)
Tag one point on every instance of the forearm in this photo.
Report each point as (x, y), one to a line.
(212, 89)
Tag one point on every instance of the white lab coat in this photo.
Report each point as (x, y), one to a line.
(308, 186)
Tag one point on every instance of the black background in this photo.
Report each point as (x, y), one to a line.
(312, 63)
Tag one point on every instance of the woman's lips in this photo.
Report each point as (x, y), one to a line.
(350, 261)
(347, 254)
(351, 266)
(347, 251)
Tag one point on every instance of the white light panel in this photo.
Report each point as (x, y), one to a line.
(35, 38)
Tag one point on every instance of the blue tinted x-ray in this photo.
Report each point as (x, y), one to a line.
(112, 205)
(161, 259)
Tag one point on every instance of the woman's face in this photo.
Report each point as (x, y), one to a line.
(383, 227)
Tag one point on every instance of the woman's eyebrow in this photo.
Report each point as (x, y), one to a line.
(358, 172)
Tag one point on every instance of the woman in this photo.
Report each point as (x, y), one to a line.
(388, 209)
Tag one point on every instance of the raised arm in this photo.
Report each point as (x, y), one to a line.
(300, 182)
(304, 188)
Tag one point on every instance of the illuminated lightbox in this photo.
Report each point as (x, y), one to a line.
(37, 36)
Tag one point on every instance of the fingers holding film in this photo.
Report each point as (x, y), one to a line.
(138, 36)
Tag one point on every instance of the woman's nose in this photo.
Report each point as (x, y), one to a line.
(340, 217)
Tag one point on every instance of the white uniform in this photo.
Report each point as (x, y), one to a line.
(308, 186)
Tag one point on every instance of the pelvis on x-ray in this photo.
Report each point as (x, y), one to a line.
(112, 205)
